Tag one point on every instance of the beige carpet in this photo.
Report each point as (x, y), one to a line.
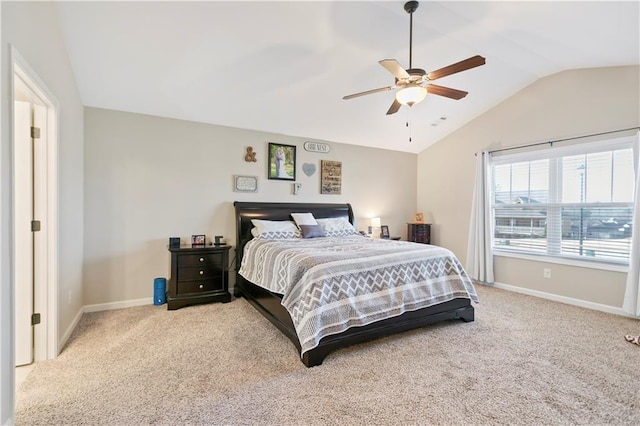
(523, 361)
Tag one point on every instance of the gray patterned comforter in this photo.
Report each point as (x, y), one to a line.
(332, 284)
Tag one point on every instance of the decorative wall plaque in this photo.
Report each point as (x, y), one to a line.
(309, 169)
(331, 177)
(250, 156)
(317, 147)
(246, 184)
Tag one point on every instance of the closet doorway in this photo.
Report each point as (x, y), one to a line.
(35, 138)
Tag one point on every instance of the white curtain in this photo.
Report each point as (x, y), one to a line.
(479, 254)
(631, 304)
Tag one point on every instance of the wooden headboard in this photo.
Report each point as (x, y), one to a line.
(245, 211)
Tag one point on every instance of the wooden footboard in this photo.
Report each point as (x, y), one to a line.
(268, 304)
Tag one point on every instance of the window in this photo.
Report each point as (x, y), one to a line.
(571, 202)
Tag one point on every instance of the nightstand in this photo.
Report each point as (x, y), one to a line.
(198, 275)
(419, 233)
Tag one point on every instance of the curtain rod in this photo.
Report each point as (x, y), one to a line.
(562, 140)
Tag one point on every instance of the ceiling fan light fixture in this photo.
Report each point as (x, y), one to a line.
(411, 95)
(410, 81)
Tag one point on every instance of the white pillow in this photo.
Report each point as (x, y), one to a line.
(304, 219)
(337, 227)
(275, 229)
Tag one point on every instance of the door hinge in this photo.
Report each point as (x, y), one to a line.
(35, 319)
(35, 132)
(35, 225)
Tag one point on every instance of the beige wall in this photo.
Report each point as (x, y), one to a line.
(567, 104)
(31, 27)
(149, 178)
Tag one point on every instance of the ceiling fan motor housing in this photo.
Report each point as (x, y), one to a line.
(416, 76)
(416, 72)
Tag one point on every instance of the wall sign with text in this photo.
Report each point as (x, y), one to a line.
(323, 148)
(331, 177)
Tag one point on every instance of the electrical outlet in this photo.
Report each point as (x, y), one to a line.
(546, 272)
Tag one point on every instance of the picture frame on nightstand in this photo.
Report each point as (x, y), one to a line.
(198, 240)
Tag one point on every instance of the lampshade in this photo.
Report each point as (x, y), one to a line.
(411, 95)
(375, 222)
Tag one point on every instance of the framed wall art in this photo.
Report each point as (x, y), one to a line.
(331, 177)
(282, 162)
(384, 231)
(245, 183)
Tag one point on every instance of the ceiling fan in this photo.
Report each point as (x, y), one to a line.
(414, 82)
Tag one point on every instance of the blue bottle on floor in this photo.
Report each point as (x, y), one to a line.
(159, 291)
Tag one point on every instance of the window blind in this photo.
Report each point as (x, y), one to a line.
(573, 202)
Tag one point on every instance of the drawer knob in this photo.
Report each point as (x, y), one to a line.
(201, 272)
(202, 259)
(201, 286)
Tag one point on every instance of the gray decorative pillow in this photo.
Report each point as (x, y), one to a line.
(311, 231)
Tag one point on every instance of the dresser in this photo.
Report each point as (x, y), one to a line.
(198, 275)
(419, 233)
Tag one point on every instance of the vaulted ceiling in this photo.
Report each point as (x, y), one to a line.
(284, 67)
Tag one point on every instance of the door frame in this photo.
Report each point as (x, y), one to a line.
(46, 289)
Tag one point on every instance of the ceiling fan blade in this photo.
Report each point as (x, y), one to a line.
(369, 92)
(394, 68)
(446, 91)
(395, 106)
(474, 61)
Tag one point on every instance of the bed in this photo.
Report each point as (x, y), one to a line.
(270, 300)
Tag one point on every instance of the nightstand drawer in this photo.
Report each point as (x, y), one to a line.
(202, 259)
(203, 273)
(199, 286)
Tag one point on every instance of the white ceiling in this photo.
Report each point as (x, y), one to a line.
(284, 67)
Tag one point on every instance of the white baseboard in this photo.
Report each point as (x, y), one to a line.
(118, 305)
(97, 308)
(563, 299)
(63, 340)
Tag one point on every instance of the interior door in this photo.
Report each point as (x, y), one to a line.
(23, 237)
